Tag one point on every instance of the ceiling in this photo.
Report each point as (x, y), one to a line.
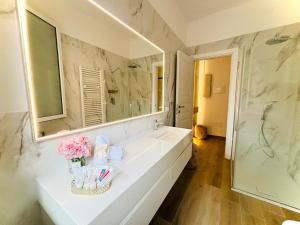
(80, 19)
(6, 5)
(195, 9)
(185, 17)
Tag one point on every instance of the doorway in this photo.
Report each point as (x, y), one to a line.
(185, 72)
(211, 94)
(232, 94)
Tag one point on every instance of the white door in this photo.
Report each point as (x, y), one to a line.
(184, 91)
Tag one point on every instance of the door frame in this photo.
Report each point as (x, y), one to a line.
(232, 96)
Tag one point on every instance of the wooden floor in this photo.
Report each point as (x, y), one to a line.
(203, 196)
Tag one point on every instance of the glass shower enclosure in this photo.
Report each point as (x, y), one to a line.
(266, 162)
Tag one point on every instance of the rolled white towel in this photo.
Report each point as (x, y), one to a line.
(101, 139)
(116, 152)
(101, 150)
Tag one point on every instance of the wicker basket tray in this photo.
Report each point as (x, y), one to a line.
(97, 191)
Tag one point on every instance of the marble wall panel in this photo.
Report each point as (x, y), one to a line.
(267, 144)
(142, 17)
(132, 86)
(18, 158)
(76, 53)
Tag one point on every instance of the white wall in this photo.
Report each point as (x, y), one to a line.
(13, 93)
(87, 23)
(79, 22)
(172, 15)
(247, 18)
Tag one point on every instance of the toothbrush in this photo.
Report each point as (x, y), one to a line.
(104, 175)
(106, 179)
(102, 172)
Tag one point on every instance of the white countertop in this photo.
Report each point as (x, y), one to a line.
(147, 156)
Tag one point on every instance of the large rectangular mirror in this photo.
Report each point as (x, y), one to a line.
(85, 68)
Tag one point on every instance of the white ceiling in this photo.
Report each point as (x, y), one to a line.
(195, 9)
(82, 20)
(186, 16)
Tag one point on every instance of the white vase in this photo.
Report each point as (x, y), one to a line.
(75, 163)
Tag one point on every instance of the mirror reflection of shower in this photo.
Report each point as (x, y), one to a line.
(145, 84)
(138, 74)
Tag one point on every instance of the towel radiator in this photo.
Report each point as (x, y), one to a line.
(93, 104)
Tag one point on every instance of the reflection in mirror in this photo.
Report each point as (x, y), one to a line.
(47, 76)
(85, 68)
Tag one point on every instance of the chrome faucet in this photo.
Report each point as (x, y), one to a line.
(157, 124)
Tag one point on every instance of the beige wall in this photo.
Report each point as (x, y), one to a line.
(212, 111)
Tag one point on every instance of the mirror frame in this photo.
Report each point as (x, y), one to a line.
(21, 9)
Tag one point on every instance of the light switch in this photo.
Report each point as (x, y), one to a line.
(219, 90)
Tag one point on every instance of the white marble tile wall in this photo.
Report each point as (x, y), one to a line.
(76, 53)
(140, 84)
(133, 85)
(20, 154)
(116, 134)
(141, 16)
(18, 158)
(267, 145)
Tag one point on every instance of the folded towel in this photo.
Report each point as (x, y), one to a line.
(101, 150)
(116, 152)
(101, 139)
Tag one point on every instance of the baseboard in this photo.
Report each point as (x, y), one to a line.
(267, 200)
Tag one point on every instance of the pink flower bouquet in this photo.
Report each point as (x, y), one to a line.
(76, 149)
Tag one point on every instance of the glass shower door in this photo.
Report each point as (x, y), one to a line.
(267, 143)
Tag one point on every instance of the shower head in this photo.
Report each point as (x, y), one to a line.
(134, 66)
(277, 39)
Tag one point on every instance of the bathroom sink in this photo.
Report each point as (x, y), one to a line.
(167, 134)
(146, 159)
(144, 149)
(158, 133)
